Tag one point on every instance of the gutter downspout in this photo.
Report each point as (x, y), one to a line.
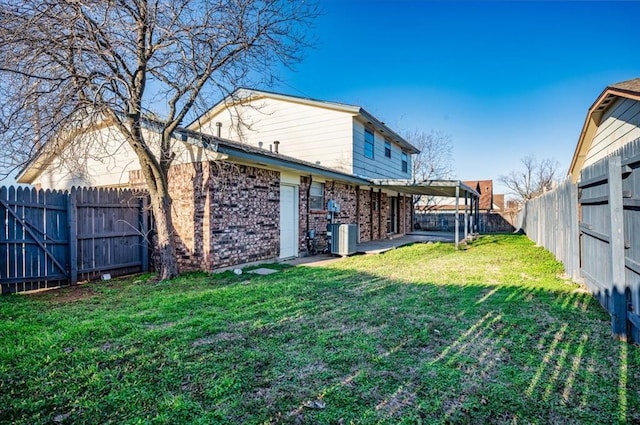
(371, 213)
(358, 210)
(380, 214)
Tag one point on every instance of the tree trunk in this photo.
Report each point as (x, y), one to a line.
(158, 186)
(165, 245)
(156, 176)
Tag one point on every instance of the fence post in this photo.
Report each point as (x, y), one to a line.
(72, 214)
(574, 235)
(618, 307)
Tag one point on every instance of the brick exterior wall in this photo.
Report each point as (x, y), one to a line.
(364, 215)
(384, 213)
(227, 214)
(408, 221)
(223, 214)
(366, 207)
(245, 218)
(190, 201)
(345, 196)
(303, 193)
(409, 214)
(190, 195)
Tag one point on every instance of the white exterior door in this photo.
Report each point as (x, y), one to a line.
(288, 221)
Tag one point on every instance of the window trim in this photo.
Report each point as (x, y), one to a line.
(404, 162)
(316, 197)
(387, 149)
(372, 143)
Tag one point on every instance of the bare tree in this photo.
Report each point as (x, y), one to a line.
(67, 64)
(535, 178)
(435, 160)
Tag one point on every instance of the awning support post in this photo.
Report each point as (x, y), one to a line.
(472, 221)
(478, 215)
(466, 216)
(457, 226)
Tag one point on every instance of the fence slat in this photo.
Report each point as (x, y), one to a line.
(618, 307)
(72, 205)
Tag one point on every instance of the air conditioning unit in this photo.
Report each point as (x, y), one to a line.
(344, 238)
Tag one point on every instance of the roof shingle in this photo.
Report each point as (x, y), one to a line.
(629, 85)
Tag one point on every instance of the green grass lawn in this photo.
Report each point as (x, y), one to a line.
(421, 334)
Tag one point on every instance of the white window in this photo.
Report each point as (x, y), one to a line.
(405, 163)
(387, 149)
(316, 196)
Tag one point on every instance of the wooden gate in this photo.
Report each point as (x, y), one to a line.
(54, 238)
(34, 245)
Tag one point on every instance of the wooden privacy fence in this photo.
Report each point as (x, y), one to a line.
(551, 220)
(609, 230)
(603, 247)
(56, 238)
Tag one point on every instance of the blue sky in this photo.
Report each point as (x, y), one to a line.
(505, 79)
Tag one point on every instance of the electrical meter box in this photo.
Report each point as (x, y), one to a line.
(333, 206)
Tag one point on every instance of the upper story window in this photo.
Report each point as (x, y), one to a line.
(387, 149)
(316, 196)
(405, 163)
(368, 144)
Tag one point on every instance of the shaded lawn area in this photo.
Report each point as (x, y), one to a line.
(421, 334)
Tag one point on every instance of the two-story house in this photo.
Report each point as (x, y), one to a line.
(263, 187)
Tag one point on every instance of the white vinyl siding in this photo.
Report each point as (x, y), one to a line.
(313, 134)
(103, 158)
(87, 163)
(619, 125)
(381, 167)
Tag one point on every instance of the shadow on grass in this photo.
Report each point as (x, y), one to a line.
(319, 345)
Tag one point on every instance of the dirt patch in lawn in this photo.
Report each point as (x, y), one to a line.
(214, 339)
(65, 295)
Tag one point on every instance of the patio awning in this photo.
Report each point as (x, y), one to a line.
(448, 188)
(427, 187)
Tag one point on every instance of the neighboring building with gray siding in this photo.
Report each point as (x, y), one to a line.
(612, 122)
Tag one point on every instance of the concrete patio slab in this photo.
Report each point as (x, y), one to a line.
(377, 247)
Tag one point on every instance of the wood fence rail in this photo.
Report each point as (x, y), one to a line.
(55, 238)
